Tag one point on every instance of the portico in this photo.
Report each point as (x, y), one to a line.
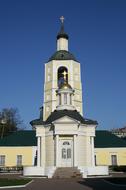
(67, 141)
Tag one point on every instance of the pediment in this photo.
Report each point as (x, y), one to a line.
(65, 119)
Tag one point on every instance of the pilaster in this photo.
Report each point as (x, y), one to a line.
(57, 150)
(39, 151)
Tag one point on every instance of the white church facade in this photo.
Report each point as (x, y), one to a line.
(65, 139)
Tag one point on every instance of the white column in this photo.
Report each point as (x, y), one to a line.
(92, 151)
(57, 150)
(68, 99)
(62, 99)
(75, 150)
(71, 99)
(59, 100)
(39, 151)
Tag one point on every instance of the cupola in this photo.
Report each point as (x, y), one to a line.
(62, 37)
(65, 95)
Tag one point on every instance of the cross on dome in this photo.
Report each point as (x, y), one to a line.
(62, 33)
(62, 19)
(64, 75)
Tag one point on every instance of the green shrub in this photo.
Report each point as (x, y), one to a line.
(118, 168)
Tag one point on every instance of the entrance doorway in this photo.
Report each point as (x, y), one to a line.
(66, 153)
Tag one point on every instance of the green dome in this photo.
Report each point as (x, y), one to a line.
(62, 55)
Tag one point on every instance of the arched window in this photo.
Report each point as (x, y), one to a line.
(66, 143)
(60, 75)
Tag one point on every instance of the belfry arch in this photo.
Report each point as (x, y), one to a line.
(62, 74)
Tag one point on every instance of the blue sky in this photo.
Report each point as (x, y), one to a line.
(97, 31)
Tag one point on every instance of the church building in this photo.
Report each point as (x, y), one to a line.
(62, 142)
(65, 138)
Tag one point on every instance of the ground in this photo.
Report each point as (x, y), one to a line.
(74, 184)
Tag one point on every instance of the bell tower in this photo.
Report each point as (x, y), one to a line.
(62, 63)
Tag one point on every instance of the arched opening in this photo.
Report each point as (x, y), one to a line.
(62, 75)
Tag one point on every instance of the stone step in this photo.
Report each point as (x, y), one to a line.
(71, 172)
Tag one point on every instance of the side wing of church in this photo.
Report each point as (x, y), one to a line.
(65, 139)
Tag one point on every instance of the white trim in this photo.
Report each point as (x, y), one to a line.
(61, 132)
(92, 151)
(73, 120)
(39, 151)
(75, 150)
(57, 150)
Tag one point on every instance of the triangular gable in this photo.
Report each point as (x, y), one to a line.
(65, 119)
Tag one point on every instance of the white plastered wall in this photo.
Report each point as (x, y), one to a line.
(50, 151)
(50, 86)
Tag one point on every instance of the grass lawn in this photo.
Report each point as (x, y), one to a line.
(119, 180)
(13, 182)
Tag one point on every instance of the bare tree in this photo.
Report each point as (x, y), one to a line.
(9, 121)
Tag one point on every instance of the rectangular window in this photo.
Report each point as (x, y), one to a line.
(69, 153)
(19, 160)
(114, 160)
(63, 153)
(2, 160)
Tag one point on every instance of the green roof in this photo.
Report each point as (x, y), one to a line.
(62, 55)
(20, 138)
(105, 139)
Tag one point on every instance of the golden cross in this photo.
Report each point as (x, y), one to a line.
(62, 19)
(64, 75)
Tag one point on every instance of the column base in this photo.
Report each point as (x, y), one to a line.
(39, 171)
